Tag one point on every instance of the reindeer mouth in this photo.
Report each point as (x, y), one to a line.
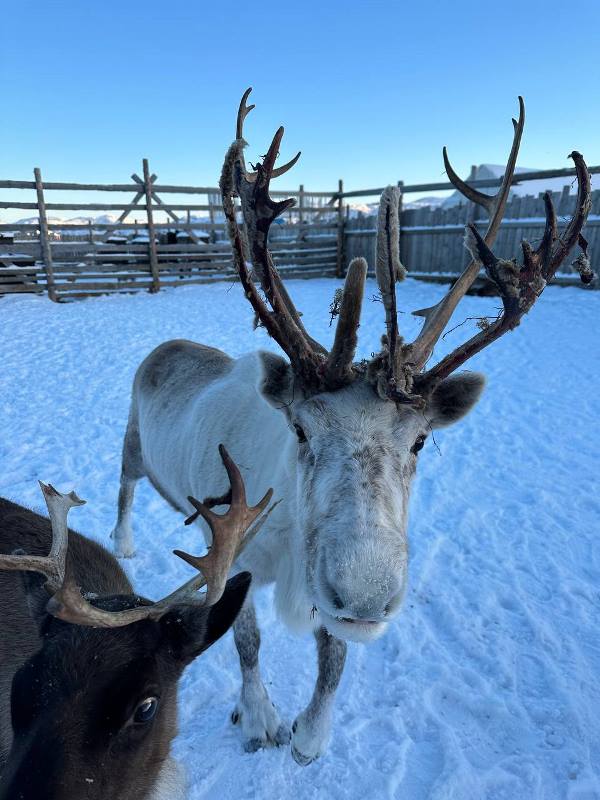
(352, 629)
(351, 621)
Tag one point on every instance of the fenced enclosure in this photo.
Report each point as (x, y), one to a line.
(431, 237)
(170, 246)
(181, 237)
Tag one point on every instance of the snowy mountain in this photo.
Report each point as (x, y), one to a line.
(101, 219)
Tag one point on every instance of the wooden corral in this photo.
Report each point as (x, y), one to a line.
(431, 238)
(77, 260)
(165, 244)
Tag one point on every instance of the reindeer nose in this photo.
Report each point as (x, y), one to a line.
(366, 606)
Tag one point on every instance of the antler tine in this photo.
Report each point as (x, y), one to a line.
(277, 172)
(227, 530)
(53, 565)
(437, 317)
(388, 268)
(519, 287)
(542, 255)
(229, 541)
(567, 241)
(340, 359)
(469, 192)
(259, 211)
(243, 112)
(390, 374)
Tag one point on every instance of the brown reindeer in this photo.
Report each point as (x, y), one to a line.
(89, 674)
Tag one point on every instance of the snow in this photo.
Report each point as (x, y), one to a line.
(486, 686)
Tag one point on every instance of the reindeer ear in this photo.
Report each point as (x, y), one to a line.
(277, 383)
(36, 596)
(454, 398)
(192, 630)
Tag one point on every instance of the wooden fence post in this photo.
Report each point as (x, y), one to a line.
(152, 243)
(301, 204)
(339, 267)
(44, 235)
(211, 218)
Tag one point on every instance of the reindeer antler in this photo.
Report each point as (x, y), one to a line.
(437, 318)
(519, 287)
(397, 371)
(53, 566)
(401, 377)
(227, 531)
(313, 366)
(70, 605)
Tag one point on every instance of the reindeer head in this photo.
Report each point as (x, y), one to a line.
(360, 425)
(94, 710)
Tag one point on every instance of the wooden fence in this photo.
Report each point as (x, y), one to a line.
(91, 257)
(171, 246)
(431, 239)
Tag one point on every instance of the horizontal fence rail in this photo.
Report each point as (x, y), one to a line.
(154, 243)
(170, 246)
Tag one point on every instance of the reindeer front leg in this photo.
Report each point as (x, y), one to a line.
(310, 731)
(256, 714)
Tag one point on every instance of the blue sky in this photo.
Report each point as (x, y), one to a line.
(369, 91)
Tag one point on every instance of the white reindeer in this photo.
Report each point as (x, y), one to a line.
(337, 440)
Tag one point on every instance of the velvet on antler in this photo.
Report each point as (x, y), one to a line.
(398, 370)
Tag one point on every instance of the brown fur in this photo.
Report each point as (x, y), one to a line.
(69, 694)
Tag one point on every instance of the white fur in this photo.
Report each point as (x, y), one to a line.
(359, 545)
(172, 782)
(335, 546)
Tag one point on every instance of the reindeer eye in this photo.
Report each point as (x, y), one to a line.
(418, 445)
(146, 710)
(300, 433)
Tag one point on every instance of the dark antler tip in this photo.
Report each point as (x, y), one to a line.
(189, 559)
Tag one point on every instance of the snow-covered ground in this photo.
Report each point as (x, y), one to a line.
(487, 685)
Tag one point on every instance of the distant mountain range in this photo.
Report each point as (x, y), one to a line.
(101, 219)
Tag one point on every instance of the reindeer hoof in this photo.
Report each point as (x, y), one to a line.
(282, 736)
(301, 759)
(260, 723)
(123, 545)
(310, 736)
(253, 745)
